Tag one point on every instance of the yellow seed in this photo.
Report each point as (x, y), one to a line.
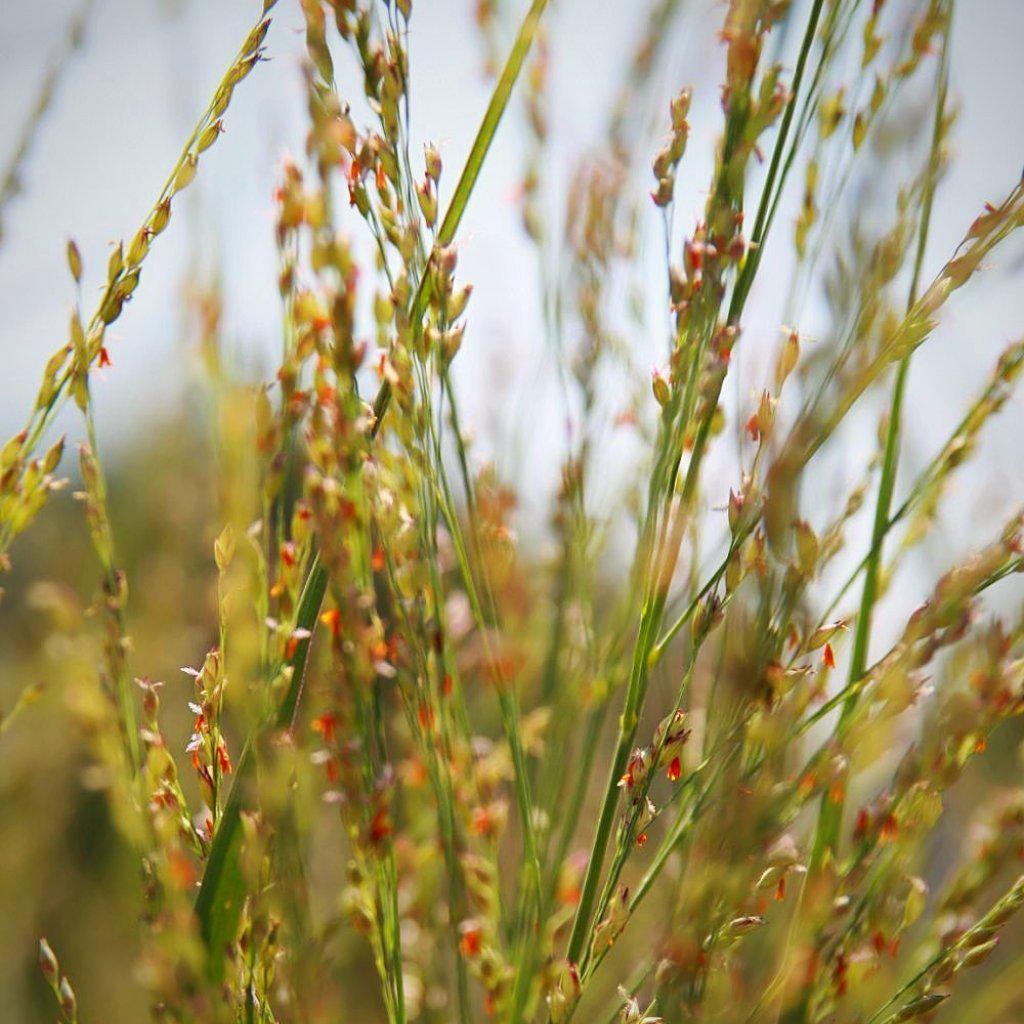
(220, 104)
(833, 110)
(209, 136)
(427, 199)
(160, 218)
(458, 301)
(661, 390)
(52, 458)
(186, 173)
(116, 262)
(74, 261)
(877, 95)
(860, 130)
(139, 247)
(979, 954)
(433, 161)
(111, 308)
(257, 35)
(919, 1007)
(76, 332)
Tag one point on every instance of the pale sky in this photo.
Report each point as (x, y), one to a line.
(149, 66)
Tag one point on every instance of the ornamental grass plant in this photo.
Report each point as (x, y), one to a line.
(672, 755)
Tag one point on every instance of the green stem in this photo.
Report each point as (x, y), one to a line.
(651, 615)
(222, 891)
(831, 813)
(769, 194)
(118, 663)
(474, 162)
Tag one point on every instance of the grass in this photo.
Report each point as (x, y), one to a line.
(450, 774)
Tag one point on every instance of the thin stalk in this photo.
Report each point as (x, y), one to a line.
(769, 193)
(927, 477)
(654, 604)
(474, 162)
(721, 757)
(627, 834)
(831, 813)
(43, 414)
(639, 976)
(117, 646)
(1007, 904)
(606, 820)
(574, 805)
(222, 891)
(438, 766)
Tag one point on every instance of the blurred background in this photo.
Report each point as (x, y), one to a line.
(122, 106)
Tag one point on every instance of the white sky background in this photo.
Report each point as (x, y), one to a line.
(149, 66)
